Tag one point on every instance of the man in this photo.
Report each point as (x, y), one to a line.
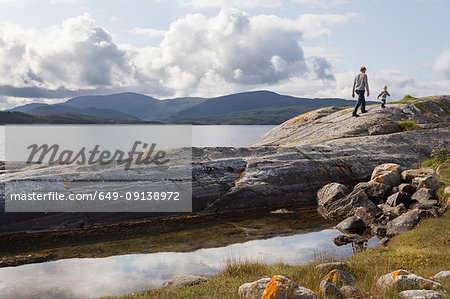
(360, 84)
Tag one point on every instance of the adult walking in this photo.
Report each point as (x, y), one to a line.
(360, 84)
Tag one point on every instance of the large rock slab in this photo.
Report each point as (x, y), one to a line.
(337, 123)
(405, 280)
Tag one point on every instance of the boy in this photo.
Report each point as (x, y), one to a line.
(383, 94)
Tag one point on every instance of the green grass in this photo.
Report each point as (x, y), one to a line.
(407, 99)
(407, 125)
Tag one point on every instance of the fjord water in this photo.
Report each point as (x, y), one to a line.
(202, 136)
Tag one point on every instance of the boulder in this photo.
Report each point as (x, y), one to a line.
(281, 287)
(329, 290)
(350, 291)
(253, 289)
(331, 193)
(421, 294)
(429, 182)
(388, 173)
(429, 213)
(410, 174)
(343, 208)
(404, 280)
(408, 188)
(447, 190)
(397, 211)
(278, 287)
(395, 190)
(424, 204)
(403, 223)
(378, 229)
(352, 224)
(384, 241)
(340, 278)
(365, 216)
(327, 267)
(344, 239)
(398, 198)
(183, 281)
(443, 275)
(422, 194)
(375, 191)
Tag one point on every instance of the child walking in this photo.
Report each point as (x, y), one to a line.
(383, 94)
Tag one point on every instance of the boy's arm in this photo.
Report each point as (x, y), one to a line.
(388, 93)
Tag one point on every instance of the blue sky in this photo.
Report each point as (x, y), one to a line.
(51, 50)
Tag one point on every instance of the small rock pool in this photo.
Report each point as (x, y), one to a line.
(125, 274)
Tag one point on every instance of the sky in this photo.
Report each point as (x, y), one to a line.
(52, 50)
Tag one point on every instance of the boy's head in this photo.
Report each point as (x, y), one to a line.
(385, 87)
(363, 69)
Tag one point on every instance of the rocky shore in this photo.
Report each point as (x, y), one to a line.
(286, 166)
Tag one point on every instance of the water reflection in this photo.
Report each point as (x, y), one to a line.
(120, 275)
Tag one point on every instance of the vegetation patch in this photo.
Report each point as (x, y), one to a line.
(407, 125)
(407, 99)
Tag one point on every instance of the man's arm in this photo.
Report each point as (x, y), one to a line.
(367, 84)
(353, 90)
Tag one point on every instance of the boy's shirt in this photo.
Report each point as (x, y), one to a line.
(383, 94)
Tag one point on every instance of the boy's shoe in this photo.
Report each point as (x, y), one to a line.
(355, 115)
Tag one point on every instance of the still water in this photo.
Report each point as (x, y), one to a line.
(120, 275)
(202, 136)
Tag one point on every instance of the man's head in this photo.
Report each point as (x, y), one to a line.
(363, 69)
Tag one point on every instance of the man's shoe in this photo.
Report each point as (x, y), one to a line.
(355, 115)
(365, 111)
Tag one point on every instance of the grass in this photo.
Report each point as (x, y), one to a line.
(407, 99)
(425, 251)
(407, 125)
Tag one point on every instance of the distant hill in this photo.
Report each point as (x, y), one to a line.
(256, 107)
(63, 118)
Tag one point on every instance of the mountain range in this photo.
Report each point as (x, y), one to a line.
(256, 107)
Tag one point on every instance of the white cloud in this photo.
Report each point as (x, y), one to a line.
(442, 63)
(321, 3)
(231, 3)
(148, 31)
(198, 55)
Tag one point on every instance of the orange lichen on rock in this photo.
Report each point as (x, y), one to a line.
(272, 289)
